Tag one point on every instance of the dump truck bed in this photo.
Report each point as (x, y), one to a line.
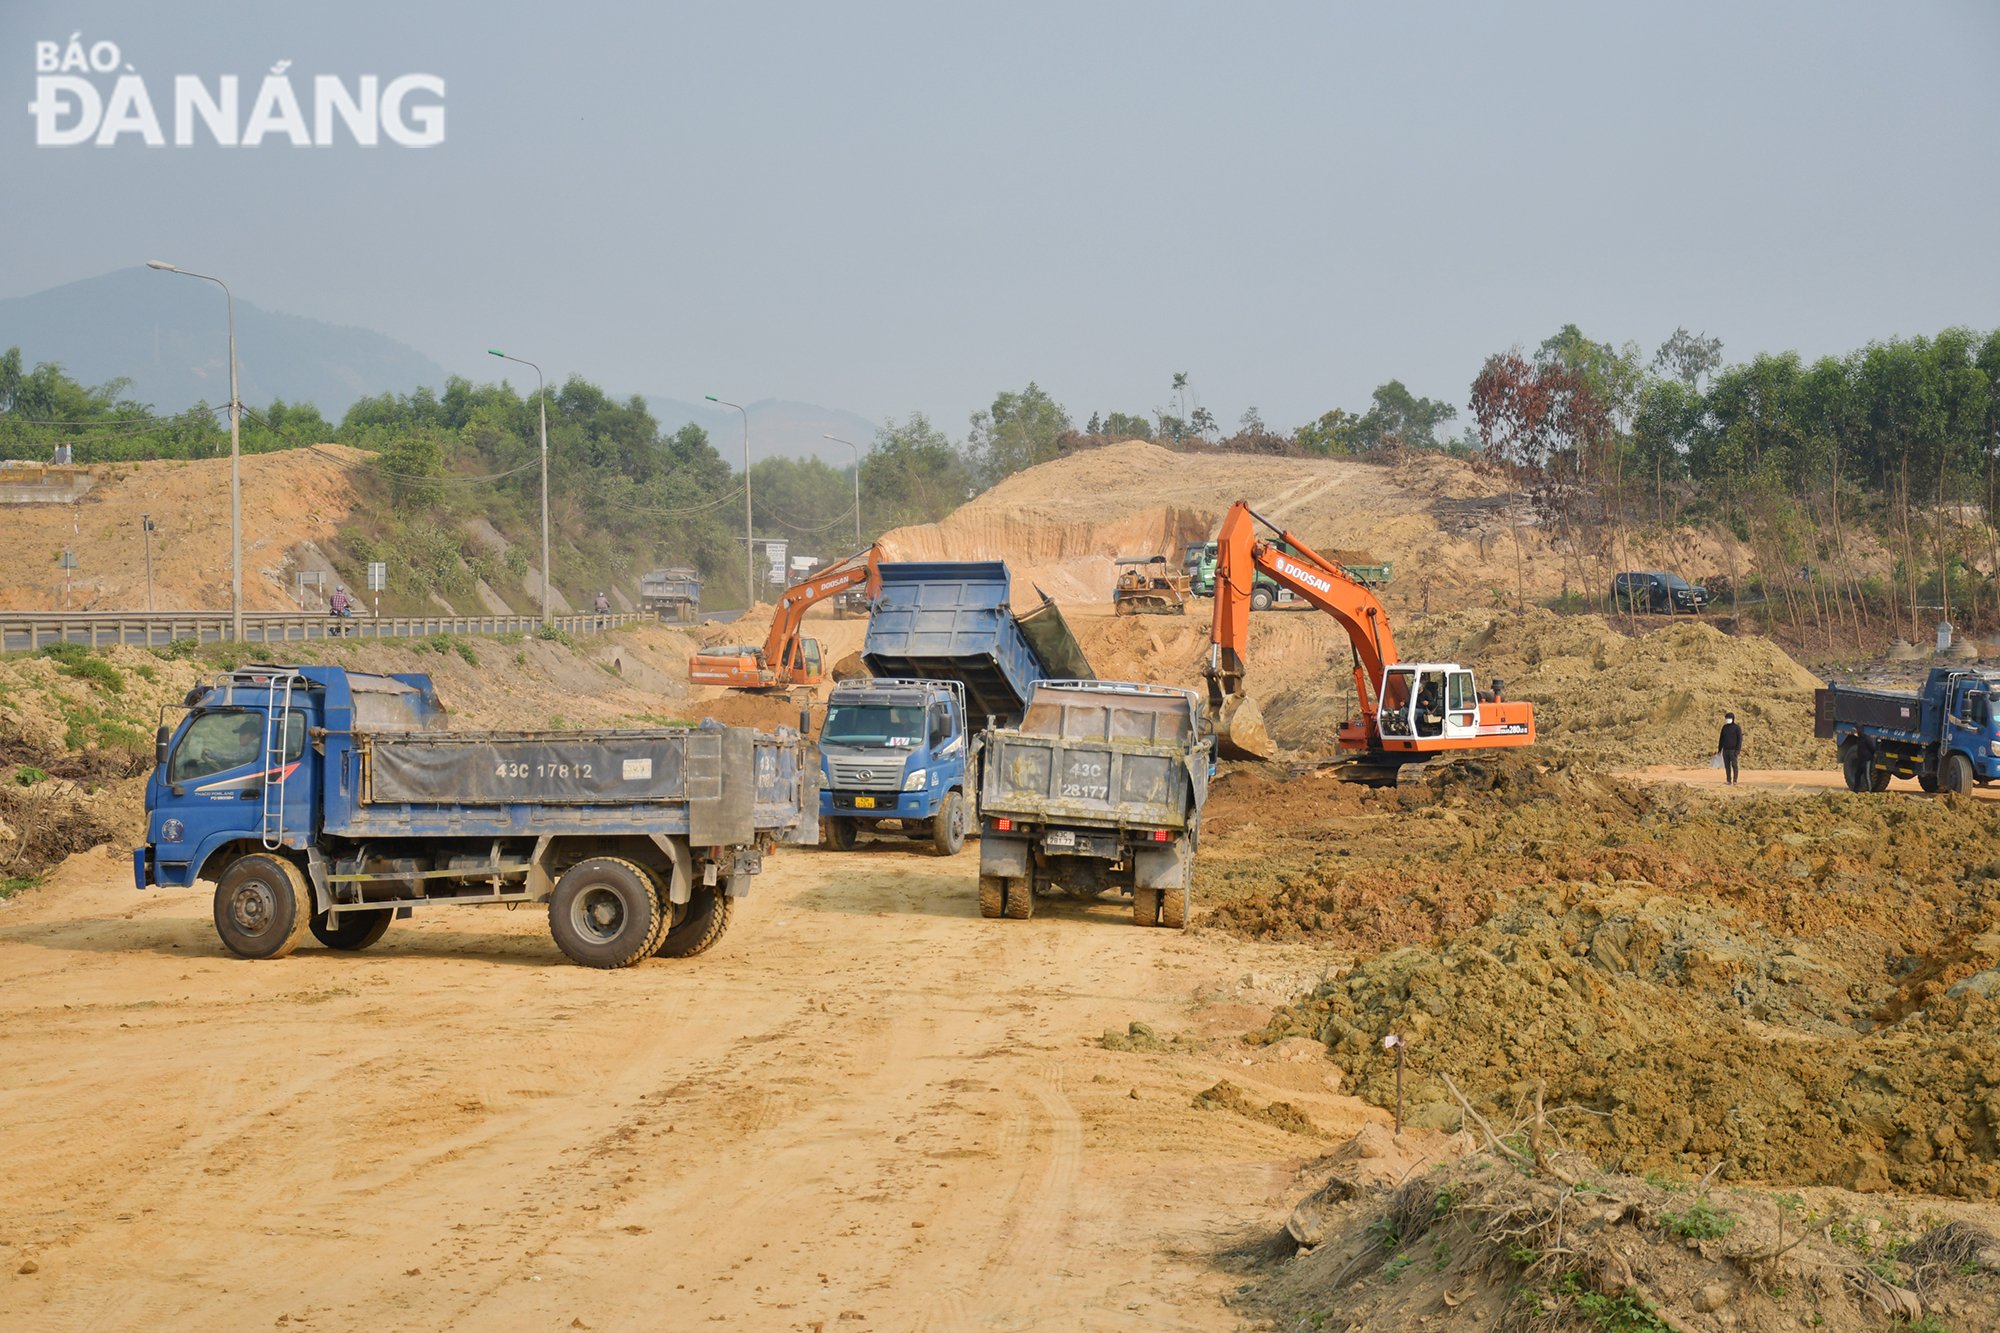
(715, 785)
(1110, 756)
(950, 620)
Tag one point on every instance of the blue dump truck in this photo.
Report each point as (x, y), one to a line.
(322, 800)
(949, 657)
(1943, 735)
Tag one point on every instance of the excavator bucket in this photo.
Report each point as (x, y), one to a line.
(1240, 732)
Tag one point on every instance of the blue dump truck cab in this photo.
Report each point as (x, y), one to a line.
(321, 800)
(896, 752)
(1945, 735)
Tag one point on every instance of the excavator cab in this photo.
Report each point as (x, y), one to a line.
(1427, 701)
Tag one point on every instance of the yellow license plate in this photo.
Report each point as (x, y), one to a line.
(864, 803)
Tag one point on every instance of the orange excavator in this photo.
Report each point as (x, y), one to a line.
(788, 658)
(1410, 711)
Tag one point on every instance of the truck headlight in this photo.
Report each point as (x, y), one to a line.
(914, 782)
(1994, 748)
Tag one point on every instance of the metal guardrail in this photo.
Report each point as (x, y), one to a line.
(28, 630)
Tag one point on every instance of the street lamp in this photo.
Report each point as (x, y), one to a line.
(235, 455)
(857, 484)
(749, 542)
(548, 575)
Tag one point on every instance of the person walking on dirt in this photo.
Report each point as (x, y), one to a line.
(1731, 745)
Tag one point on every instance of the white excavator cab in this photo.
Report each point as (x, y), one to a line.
(1427, 701)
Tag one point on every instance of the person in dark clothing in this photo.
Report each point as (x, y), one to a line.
(1731, 745)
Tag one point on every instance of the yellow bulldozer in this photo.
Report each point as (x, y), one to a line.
(1148, 586)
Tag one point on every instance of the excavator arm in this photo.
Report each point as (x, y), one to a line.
(1320, 582)
(783, 653)
(781, 662)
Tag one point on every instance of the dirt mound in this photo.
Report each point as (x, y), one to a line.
(1496, 1240)
(1682, 1035)
(1654, 698)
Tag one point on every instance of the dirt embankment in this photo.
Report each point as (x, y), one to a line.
(290, 498)
(1803, 987)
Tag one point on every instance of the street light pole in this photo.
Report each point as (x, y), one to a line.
(235, 454)
(749, 542)
(548, 575)
(857, 484)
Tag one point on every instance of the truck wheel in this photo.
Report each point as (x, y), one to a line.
(1957, 775)
(1174, 908)
(1878, 778)
(1260, 599)
(707, 916)
(840, 834)
(604, 912)
(1021, 897)
(1928, 781)
(354, 931)
(1145, 907)
(948, 826)
(992, 896)
(262, 907)
(1854, 767)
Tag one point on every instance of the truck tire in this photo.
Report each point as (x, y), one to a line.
(706, 918)
(1020, 897)
(604, 912)
(1854, 767)
(262, 907)
(1260, 599)
(1174, 908)
(1145, 907)
(1928, 781)
(840, 834)
(992, 896)
(354, 931)
(1878, 778)
(1956, 776)
(948, 825)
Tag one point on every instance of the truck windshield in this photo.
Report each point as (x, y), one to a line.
(873, 724)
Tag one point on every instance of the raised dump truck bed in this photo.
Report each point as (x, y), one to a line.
(950, 620)
(1099, 788)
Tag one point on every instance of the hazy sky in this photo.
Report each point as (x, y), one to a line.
(887, 207)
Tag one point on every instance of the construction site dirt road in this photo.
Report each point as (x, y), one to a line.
(868, 1109)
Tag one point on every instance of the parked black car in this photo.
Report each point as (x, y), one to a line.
(1658, 591)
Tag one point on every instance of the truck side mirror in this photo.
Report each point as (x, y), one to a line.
(160, 739)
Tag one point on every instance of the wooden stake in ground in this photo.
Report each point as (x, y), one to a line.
(1394, 1042)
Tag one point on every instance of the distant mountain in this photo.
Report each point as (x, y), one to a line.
(778, 428)
(169, 337)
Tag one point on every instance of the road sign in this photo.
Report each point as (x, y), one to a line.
(68, 560)
(378, 575)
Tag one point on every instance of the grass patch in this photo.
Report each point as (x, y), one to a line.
(28, 775)
(13, 884)
(84, 726)
(1700, 1221)
(554, 635)
(74, 659)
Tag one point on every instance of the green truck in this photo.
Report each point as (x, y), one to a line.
(1199, 562)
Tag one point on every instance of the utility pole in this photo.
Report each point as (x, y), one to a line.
(146, 525)
(541, 396)
(235, 454)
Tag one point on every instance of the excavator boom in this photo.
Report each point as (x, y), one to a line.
(788, 659)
